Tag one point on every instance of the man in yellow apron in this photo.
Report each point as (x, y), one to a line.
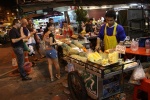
(110, 33)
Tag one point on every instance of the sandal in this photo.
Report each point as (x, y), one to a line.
(57, 76)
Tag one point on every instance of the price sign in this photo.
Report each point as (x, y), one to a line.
(121, 49)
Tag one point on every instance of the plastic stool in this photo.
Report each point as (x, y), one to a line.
(145, 86)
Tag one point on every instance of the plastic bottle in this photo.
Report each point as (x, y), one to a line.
(147, 46)
(134, 45)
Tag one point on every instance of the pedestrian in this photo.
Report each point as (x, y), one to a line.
(51, 53)
(37, 39)
(67, 30)
(110, 33)
(17, 45)
(30, 41)
(89, 26)
(51, 21)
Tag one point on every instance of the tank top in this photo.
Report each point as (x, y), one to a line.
(47, 44)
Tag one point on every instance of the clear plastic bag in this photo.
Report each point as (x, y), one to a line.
(138, 72)
(132, 81)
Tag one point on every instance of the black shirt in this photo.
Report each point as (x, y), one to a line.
(25, 30)
(89, 28)
(14, 34)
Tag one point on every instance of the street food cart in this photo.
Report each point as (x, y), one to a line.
(97, 80)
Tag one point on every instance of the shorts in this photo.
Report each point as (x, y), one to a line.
(51, 54)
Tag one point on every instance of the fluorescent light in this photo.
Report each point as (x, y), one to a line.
(133, 4)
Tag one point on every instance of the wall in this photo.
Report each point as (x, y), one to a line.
(96, 13)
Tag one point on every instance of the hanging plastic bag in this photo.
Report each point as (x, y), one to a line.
(138, 72)
(132, 81)
(25, 47)
(31, 50)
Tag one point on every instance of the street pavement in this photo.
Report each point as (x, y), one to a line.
(39, 88)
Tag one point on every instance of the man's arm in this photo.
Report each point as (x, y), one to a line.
(121, 35)
(100, 37)
(17, 39)
(32, 33)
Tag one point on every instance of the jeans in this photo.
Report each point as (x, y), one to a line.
(20, 58)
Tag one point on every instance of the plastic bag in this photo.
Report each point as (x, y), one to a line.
(132, 81)
(69, 67)
(31, 50)
(138, 72)
(25, 47)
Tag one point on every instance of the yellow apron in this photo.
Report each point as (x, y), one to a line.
(110, 42)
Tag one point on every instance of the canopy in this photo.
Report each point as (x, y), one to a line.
(50, 14)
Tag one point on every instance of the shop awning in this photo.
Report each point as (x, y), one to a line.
(50, 14)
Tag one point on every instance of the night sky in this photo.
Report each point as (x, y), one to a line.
(7, 3)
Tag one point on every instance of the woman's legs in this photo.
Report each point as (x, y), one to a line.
(50, 69)
(56, 64)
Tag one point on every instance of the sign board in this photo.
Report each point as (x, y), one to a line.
(121, 49)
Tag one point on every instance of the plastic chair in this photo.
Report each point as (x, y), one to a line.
(145, 86)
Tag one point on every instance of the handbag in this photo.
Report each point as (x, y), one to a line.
(43, 45)
(25, 47)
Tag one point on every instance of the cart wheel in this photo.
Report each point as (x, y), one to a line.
(76, 86)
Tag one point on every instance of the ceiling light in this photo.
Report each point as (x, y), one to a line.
(133, 4)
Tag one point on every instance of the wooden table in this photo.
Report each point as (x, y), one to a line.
(141, 51)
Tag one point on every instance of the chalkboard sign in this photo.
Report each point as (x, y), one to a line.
(135, 14)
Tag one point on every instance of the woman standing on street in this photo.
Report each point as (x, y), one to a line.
(51, 53)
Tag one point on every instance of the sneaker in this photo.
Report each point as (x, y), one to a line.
(26, 78)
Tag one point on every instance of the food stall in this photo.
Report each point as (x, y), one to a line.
(4, 30)
(98, 75)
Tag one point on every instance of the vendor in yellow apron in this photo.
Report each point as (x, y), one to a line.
(110, 42)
